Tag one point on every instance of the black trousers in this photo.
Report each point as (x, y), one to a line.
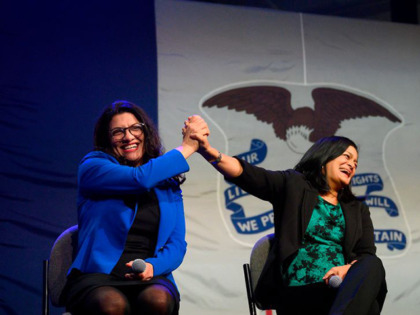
(362, 292)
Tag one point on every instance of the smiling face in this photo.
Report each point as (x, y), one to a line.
(341, 170)
(129, 147)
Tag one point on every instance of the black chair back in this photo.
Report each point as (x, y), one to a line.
(62, 255)
(252, 271)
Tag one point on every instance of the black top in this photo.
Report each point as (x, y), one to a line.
(142, 236)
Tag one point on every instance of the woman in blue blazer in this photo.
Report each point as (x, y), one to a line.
(321, 230)
(129, 207)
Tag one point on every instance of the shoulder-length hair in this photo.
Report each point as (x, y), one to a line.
(102, 140)
(319, 154)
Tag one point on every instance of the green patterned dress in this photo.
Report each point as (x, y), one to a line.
(321, 246)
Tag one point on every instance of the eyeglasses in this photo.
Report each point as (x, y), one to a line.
(119, 133)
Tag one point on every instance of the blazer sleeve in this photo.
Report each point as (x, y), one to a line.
(171, 250)
(259, 182)
(364, 242)
(101, 174)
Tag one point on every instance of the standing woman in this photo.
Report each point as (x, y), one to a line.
(129, 207)
(321, 229)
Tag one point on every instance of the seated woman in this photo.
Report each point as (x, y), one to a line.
(129, 207)
(321, 229)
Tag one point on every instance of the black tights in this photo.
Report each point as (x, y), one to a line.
(154, 299)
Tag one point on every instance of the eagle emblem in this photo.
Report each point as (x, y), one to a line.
(302, 126)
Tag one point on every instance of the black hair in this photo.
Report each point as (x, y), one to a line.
(318, 155)
(152, 142)
(102, 141)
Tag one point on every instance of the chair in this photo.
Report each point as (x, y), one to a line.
(56, 267)
(252, 271)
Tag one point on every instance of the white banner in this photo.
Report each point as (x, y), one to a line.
(269, 84)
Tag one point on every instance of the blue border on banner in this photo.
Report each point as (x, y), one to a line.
(394, 239)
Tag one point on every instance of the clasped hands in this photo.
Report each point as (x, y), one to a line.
(195, 133)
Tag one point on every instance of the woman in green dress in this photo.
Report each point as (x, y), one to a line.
(321, 229)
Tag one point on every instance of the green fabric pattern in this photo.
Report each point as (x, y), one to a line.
(321, 247)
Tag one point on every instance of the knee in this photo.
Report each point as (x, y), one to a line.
(110, 302)
(373, 265)
(369, 270)
(155, 300)
(114, 305)
(162, 300)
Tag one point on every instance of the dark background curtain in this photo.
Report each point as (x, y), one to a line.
(61, 62)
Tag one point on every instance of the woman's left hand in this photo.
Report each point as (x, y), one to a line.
(340, 271)
(194, 130)
(146, 275)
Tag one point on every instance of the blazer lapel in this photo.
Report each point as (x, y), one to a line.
(308, 204)
(350, 216)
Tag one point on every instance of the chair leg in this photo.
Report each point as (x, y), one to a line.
(45, 296)
(249, 292)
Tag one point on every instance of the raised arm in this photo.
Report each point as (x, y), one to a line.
(189, 144)
(197, 129)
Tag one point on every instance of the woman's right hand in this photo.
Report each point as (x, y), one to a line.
(195, 128)
(146, 275)
(198, 130)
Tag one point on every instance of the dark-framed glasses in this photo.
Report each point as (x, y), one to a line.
(136, 130)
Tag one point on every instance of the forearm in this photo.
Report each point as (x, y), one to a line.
(186, 150)
(196, 128)
(225, 164)
(102, 174)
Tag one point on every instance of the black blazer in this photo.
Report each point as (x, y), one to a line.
(293, 199)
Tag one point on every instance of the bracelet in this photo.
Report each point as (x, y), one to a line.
(217, 160)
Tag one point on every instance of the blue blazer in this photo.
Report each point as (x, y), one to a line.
(104, 219)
